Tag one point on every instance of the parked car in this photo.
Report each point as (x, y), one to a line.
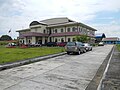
(11, 45)
(50, 44)
(88, 47)
(33, 45)
(101, 44)
(37, 45)
(75, 47)
(61, 44)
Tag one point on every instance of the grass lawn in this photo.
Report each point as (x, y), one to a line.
(118, 46)
(15, 54)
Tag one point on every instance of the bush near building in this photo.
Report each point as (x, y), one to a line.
(3, 43)
(82, 38)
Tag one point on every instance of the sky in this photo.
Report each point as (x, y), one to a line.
(103, 15)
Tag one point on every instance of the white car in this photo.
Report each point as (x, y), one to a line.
(88, 47)
(101, 44)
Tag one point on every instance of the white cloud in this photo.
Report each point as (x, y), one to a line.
(111, 30)
(16, 14)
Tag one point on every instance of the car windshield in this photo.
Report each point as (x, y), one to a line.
(71, 44)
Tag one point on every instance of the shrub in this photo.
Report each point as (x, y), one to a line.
(3, 43)
(118, 46)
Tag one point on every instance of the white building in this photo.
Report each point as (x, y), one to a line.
(54, 30)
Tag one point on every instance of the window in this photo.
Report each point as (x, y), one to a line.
(73, 29)
(73, 39)
(62, 40)
(35, 29)
(62, 30)
(68, 39)
(23, 41)
(20, 41)
(55, 30)
(80, 29)
(44, 31)
(56, 40)
(47, 31)
(29, 41)
(68, 29)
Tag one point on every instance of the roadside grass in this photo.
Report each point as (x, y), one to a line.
(15, 54)
(118, 46)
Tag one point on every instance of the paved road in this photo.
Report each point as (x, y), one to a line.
(67, 72)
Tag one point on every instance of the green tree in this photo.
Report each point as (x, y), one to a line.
(82, 38)
(5, 38)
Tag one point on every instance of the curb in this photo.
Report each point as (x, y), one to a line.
(28, 61)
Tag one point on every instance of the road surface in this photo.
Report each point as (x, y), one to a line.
(67, 72)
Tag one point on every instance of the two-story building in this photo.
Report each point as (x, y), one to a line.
(54, 30)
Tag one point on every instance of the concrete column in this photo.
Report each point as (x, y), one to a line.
(65, 35)
(43, 40)
(33, 40)
(25, 40)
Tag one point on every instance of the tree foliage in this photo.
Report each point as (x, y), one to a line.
(82, 38)
(5, 38)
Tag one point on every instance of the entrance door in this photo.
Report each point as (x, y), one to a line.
(39, 40)
(50, 39)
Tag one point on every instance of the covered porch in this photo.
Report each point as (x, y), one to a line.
(33, 38)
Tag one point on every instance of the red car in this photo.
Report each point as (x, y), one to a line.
(61, 44)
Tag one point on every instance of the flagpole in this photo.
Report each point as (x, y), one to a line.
(9, 32)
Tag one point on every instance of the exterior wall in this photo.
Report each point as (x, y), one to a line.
(65, 28)
(43, 40)
(86, 31)
(39, 29)
(23, 41)
(111, 42)
(81, 30)
(71, 38)
(47, 30)
(28, 40)
(65, 39)
(59, 39)
(58, 29)
(23, 32)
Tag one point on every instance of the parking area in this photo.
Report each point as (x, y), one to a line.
(67, 72)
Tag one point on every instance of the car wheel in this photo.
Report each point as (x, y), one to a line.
(91, 49)
(68, 53)
(84, 51)
(79, 52)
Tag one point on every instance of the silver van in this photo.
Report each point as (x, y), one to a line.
(75, 47)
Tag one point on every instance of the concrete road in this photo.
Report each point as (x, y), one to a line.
(67, 72)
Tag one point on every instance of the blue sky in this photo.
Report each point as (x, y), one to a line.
(104, 15)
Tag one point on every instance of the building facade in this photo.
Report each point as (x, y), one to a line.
(111, 40)
(54, 30)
